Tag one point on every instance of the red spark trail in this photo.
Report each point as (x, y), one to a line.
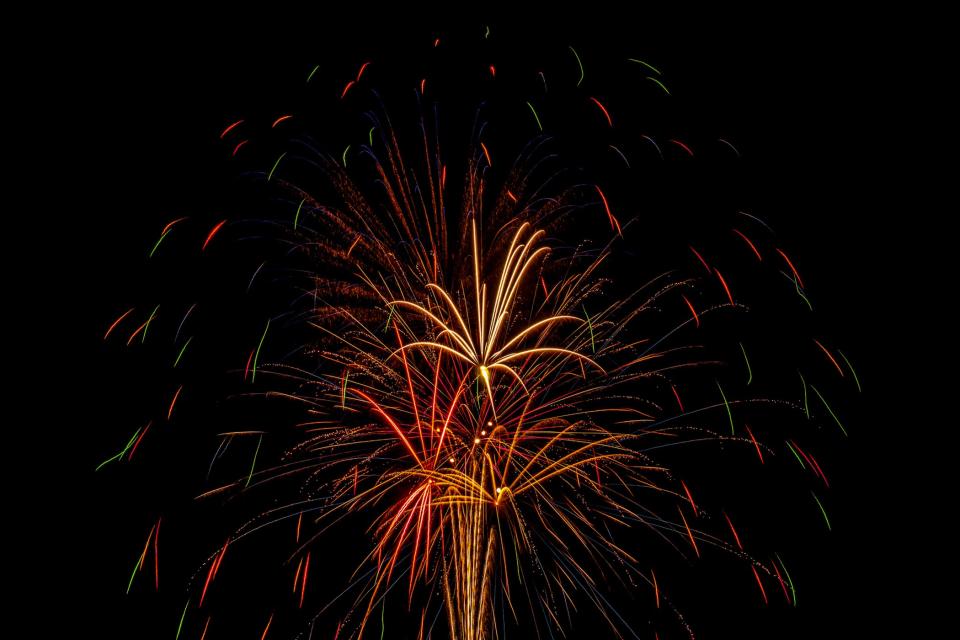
(755, 444)
(830, 355)
(604, 109)
(677, 396)
(137, 443)
(689, 532)
(792, 268)
(749, 243)
(702, 261)
(614, 224)
(762, 590)
(212, 233)
(230, 128)
(725, 287)
(174, 402)
(682, 146)
(734, 531)
(117, 321)
(692, 310)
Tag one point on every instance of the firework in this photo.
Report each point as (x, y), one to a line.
(482, 392)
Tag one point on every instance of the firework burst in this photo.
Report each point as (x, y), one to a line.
(490, 399)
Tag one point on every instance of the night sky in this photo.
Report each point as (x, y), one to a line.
(793, 97)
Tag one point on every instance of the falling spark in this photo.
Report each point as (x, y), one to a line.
(174, 401)
(183, 616)
(614, 224)
(654, 143)
(681, 145)
(689, 532)
(727, 405)
(689, 497)
(182, 349)
(230, 128)
(830, 355)
(702, 261)
(256, 356)
(693, 311)
(606, 113)
(763, 591)
(275, 165)
(253, 464)
(749, 243)
(296, 216)
(622, 157)
(133, 449)
(659, 84)
(725, 287)
(486, 154)
(117, 321)
(729, 145)
(656, 588)
(806, 405)
(212, 233)
(736, 537)
(647, 65)
(579, 64)
(535, 116)
(747, 361)
(827, 406)
(792, 268)
(303, 585)
(755, 444)
(139, 565)
(154, 249)
(267, 628)
(822, 511)
(852, 371)
(677, 396)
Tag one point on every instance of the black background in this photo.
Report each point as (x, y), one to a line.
(801, 98)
